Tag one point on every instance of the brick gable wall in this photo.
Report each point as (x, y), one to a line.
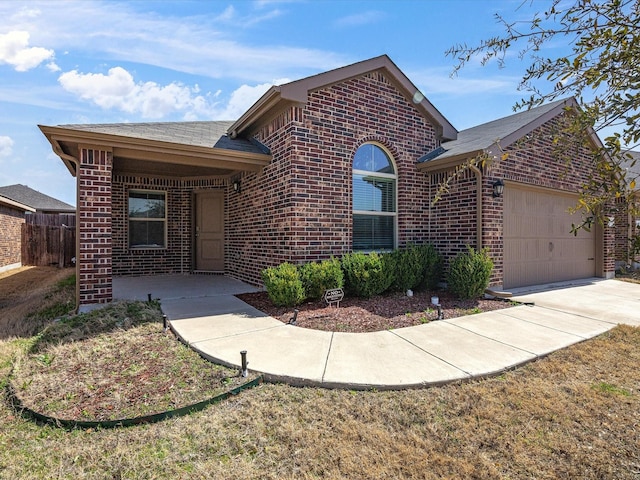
(299, 208)
(11, 221)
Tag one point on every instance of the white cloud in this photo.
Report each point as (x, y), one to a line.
(241, 99)
(437, 81)
(6, 146)
(15, 51)
(118, 90)
(205, 45)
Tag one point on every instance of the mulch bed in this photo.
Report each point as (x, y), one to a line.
(389, 311)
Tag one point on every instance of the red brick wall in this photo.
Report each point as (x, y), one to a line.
(299, 208)
(452, 219)
(11, 221)
(177, 257)
(94, 223)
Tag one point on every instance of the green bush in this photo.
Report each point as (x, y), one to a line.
(431, 262)
(417, 266)
(469, 273)
(283, 285)
(408, 268)
(367, 275)
(318, 277)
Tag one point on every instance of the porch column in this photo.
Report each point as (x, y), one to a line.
(94, 226)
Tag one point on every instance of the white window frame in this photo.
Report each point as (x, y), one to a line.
(394, 214)
(147, 219)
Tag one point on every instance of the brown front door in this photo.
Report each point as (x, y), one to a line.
(210, 231)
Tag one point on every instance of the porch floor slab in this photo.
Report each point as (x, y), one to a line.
(206, 315)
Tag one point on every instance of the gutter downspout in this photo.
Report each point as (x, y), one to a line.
(478, 175)
(57, 149)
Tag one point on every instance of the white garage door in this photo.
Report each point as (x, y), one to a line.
(538, 244)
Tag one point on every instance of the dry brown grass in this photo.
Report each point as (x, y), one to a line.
(26, 290)
(114, 364)
(574, 414)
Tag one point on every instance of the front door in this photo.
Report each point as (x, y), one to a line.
(209, 231)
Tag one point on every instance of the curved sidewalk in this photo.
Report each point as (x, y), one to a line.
(220, 326)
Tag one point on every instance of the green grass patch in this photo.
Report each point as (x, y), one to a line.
(605, 387)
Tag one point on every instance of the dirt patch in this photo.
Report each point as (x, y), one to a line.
(24, 291)
(383, 312)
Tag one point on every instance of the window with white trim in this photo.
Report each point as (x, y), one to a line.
(147, 219)
(374, 199)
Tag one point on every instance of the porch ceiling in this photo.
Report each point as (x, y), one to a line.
(153, 157)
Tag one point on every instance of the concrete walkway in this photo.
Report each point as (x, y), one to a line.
(205, 314)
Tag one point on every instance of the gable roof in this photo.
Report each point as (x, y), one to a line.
(503, 132)
(34, 200)
(279, 97)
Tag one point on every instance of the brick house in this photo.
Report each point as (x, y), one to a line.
(12, 216)
(627, 224)
(16, 202)
(346, 160)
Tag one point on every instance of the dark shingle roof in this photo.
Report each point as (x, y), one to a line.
(34, 199)
(199, 134)
(483, 136)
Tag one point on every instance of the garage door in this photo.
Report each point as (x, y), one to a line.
(538, 244)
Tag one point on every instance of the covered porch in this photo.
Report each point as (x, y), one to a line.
(186, 169)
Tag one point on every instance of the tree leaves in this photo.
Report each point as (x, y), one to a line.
(603, 66)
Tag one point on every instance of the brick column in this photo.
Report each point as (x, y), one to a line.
(609, 244)
(94, 226)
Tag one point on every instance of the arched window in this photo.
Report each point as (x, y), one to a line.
(374, 199)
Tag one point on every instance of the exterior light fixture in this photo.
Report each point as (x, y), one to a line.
(236, 186)
(498, 188)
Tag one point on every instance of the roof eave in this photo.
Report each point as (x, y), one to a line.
(17, 205)
(265, 103)
(296, 92)
(155, 150)
(440, 164)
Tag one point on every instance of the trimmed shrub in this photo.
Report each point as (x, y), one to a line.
(408, 268)
(367, 275)
(283, 285)
(431, 262)
(318, 277)
(469, 273)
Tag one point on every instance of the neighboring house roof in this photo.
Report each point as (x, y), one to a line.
(486, 137)
(15, 205)
(34, 200)
(632, 167)
(279, 97)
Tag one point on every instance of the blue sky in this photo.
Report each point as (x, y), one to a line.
(140, 61)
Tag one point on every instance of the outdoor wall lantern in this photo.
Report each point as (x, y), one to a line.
(236, 186)
(498, 188)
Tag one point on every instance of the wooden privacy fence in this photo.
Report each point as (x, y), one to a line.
(49, 239)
